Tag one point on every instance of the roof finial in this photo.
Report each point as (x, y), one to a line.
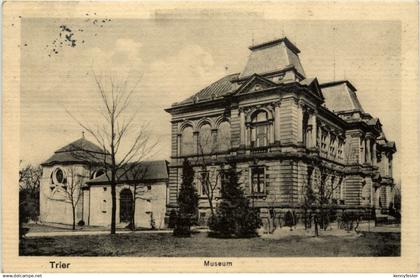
(83, 134)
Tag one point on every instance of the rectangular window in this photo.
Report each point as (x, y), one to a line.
(261, 136)
(224, 179)
(103, 206)
(204, 175)
(258, 180)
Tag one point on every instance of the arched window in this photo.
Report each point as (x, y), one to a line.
(259, 129)
(59, 177)
(223, 136)
(205, 140)
(97, 173)
(187, 141)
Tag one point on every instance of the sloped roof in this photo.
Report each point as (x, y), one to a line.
(272, 56)
(217, 89)
(340, 96)
(79, 151)
(145, 171)
(255, 79)
(80, 144)
(313, 84)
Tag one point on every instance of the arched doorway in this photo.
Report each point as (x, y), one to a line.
(126, 205)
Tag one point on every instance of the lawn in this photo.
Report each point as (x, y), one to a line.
(199, 245)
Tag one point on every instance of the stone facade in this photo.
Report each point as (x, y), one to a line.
(286, 133)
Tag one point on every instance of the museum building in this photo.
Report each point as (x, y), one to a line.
(286, 133)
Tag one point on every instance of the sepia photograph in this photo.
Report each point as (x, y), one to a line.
(208, 133)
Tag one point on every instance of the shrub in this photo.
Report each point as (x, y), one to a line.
(81, 223)
(234, 217)
(183, 226)
(187, 201)
(27, 210)
(172, 219)
(288, 219)
(350, 220)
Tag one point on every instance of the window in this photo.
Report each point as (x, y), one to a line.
(224, 179)
(332, 145)
(58, 177)
(259, 129)
(204, 175)
(103, 206)
(205, 139)
(258, 180)
(97, 173)
(324, 135)
(223, 136)
(378, 157)
(187, 141)
(340, 148)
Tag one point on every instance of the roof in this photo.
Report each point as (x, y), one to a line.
(334, 83)
(79, 151)
(145, 171)
(272, 56)
(80, 144)
(340, 96)
(215, 90)
(276, 41)
(312, 84)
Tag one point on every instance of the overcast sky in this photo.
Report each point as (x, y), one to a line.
(174, 58)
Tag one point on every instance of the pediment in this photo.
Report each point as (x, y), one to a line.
(254, 84)
(313, 85)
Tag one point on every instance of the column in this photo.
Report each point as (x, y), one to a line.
(368, 151)
(312, 121)
(309, 142)
(362, 151)
(277, 122)
(372, 195)
(374, 161)
(299, 138)
(390, 165)
(386, 164)
(271, 133)
(243, 128)
(178, 144)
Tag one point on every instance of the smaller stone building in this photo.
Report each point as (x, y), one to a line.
(75, 172)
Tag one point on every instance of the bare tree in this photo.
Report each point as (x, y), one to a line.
(72, 190)
(319, 194)
(29, 185)
(117, 128)
(210, 175)
(30, 177)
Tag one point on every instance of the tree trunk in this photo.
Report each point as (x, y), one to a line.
(316, 225)
(114, 207)
(133, 211)
(74, 217)
(211, 205)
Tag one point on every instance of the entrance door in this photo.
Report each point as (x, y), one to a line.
(126, 205)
